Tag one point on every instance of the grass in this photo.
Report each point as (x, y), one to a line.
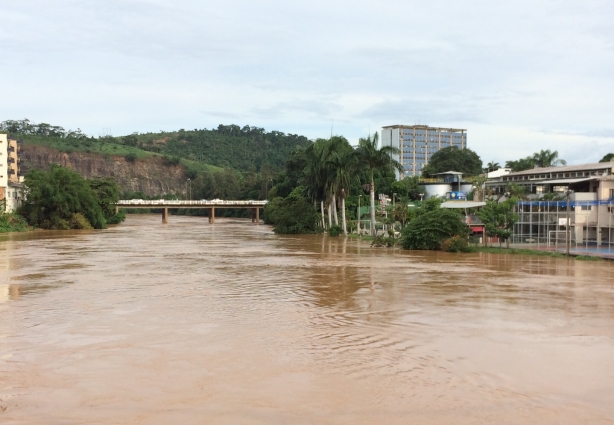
(515, 251)
(108, 149)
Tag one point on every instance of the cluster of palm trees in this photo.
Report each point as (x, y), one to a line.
(333, 166)
(541, 159)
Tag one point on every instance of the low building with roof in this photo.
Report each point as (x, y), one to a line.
(588, 189)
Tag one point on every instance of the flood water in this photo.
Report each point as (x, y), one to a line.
(191, 323)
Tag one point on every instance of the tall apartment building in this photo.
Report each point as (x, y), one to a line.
(10, 177)
(418, 143)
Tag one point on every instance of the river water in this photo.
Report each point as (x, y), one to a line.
(191, 323)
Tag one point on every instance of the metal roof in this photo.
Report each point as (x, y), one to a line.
(462, 204)
(564, 168)
(456, 173)
(566, 181)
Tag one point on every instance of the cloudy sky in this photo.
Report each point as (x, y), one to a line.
(519, 75)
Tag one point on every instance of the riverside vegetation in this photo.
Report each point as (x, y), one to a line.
(312, 186)
(60, 199)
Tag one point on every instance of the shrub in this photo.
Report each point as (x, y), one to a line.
(117, 218)
(292, 215)
(78, 221)
(429, 229)
(11, 222)
(131, 157)
(457, 243)
(335, 230)
(382, 240)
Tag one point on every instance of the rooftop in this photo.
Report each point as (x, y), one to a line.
(424, 127)
(564, 169)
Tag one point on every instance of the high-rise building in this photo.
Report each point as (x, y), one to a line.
(418, 143)
(10, 177)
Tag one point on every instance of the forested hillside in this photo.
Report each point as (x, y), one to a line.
(228, 146)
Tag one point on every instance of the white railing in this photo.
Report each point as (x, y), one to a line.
(164, 202)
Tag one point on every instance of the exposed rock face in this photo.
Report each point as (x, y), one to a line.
(148, 175)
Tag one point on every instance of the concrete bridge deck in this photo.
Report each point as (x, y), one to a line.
(211, 205)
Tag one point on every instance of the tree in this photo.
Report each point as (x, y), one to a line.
(107, 193)
(499, 218)
(452, 158)
(341, 167)
(492, 166)
(56, 197)
(431, 226)
(477, 183)
(547, 158)
(292, 215)
(375, 158)
(607, 158)
(521, 164)
(542, 159)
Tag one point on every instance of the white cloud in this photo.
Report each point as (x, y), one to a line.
(520, 76)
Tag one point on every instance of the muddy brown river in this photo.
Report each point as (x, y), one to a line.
(191, 323)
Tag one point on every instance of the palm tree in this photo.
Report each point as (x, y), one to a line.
(314, 175)
(341, 165)
(492, 166)
(375, 158)
(546, 158)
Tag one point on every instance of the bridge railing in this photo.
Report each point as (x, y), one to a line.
(164, 202)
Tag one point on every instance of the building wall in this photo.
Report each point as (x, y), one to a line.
(418, 143)
(13, 160)
(3, 161)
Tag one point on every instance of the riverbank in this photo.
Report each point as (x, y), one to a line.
(507, 251)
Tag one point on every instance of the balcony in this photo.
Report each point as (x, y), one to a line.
(11, 160)
(11, 149)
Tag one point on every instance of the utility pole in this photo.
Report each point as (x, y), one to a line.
(358, 216)
(568, 229)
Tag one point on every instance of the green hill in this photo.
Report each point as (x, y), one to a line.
(245, 149)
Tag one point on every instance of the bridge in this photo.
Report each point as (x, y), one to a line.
(211, 205)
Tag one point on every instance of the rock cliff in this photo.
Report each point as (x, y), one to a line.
(149, 175)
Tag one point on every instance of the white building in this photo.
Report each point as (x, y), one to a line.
(10, 177)
(418, 143)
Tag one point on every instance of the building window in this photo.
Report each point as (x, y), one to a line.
(586, 207)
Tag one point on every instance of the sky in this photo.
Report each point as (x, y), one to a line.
(520, 76)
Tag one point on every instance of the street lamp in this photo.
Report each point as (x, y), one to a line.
(568, 192)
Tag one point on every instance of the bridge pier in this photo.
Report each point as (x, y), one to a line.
(165, 215)
(116, 209)
(257, 215)
(212, 215)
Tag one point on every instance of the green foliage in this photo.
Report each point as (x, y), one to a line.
(131, 157)
(171, 160)
(431, 227)
(107, 193)
(499, 218)
(383, 240)
(78, 221)
(292, 215)
(117, 218)
(457, 243)
(543, 158)
(452, 158)
(335, 231)
(607, 158)
(11, 222)
(53, 198)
